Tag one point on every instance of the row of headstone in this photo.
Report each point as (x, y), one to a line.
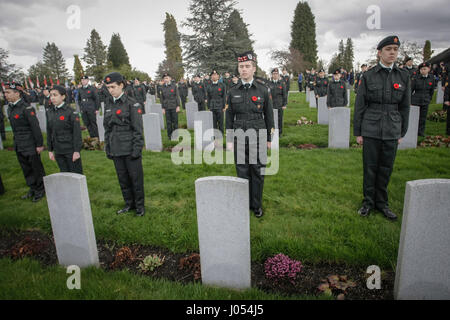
(322, 108)
(409, 141)
(339, 128)
(307, 94)
(348, 97)
(312, 99)
(152, 132)
(440, 93)
(190, 97)
(156, 108)
(191, 109)
(101, 128)
(42, 118)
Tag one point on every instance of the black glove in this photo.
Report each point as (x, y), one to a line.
(135, 155)
(110, 157)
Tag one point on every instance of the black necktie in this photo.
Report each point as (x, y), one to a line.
(247, 86)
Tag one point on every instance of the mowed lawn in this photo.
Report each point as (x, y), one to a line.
(310, 205)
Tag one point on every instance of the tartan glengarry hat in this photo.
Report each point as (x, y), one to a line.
(113, 77)
(14, 86)
(246, 56)
(388, 41)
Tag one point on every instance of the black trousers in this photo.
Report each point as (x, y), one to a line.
(218, 119)
(66, 164)
(2, 128)
(183, 102)
(448, 123)
(90, 120)
(171, 121)
(201, 106)
(300, 87)
(378, 162)
(251, 170)
(33, 171)
(280, 120)
(131, 180)
(422, 120)
(2, 188)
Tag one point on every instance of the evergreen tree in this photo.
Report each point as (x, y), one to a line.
(204, 47)
(55, 62)
(77, 69)
(303, 33)
(117, 55)
(427, 52)
(8, 71)
(173, 49)
(95, 56)
(349, 55)
(38, 70)
(341, 54)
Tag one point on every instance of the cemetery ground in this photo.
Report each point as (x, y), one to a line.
(310, 215)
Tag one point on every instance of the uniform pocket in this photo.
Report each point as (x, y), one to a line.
(370, 126)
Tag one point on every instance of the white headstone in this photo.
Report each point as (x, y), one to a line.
(203, 120)
(1, 143)
(348, 97)
(410, 139)
(42, 118)
(102, 108)
(152, 132)
(307, 94)
(312, 99)
(440, 94)
(224, 231)
(190, 96)
(157, 108)
(423, 263)
(191, 109)
(71, 219)
(101, 128)
(322, 111)
(339, 128)
(275, 118)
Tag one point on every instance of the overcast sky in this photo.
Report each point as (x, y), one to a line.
(26, 26)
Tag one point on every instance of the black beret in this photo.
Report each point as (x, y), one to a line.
(321, 70)
(388, 41)
(246, 56)
(113, 77)
(60, 89)
(275, 70)
(364, 65)
(424, 64)
(136, 79)
(85, 77)
(234, 76)
(337, 71)
(407, 59)
(14, 86)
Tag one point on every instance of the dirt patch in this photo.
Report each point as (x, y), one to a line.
(185, 267)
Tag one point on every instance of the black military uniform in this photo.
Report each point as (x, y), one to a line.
(183, 92)
(47, 103)
(287, 81)
(422, 89)
(207, 83)
(279, 94)
(64, 136)
(170, 100)
(250, 107)
(336, 93)
(2, 121)
(140, 95)
(228, 82)
(217, 99)
(312, 81)
(199, 93)
(89, 103)
(358, 78)
(27, 137)
(381, 118)
(411, 71)
(124, 141)
(447, 98)
(321, 87)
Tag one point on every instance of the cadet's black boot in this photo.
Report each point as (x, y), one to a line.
(258, 213)
(364, 211)
(38, 196)
(389, 214)
(125, 210)
(29, 195)
(140, 212)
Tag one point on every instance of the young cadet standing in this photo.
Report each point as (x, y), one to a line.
(28, 140)
(336, 92)
(64, 133)
(89, 104)
(183, 91)
(199, 93)
(250, 108)
(422, 88)
(321, 85)
(279, 94)
(380, 122)
(124, 141)
(217, 98)
(287, 79)
(140, 94)
(170, 101)
(358, 76)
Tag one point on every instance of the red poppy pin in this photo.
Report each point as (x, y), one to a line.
(89, 92)
(325, 82)
(220, 89)
(108, 79)
(281, 87)
(342, 87)
(61, 118)
(32, 113)
(254, 99)
(201, 87)
(118, 112)
(396, 85)
(16, 116)
(171, 90)
(431, 83)
(77, 119)
(139, 111)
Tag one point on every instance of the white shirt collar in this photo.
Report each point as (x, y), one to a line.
(387, 67)
(60, 105)
(115, 99)
(244, 83)
(14, 103)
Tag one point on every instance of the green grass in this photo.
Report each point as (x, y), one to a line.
(310, 204)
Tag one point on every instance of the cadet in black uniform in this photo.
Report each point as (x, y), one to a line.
(170, 101)
(409, 67)
(2, 118)
(227, 80)
(321, 85)
(46, 102)
(28, 141)
(183, 92)
(250, 108)
(217, 99)
(199, 93)
(140, 94)
(124, 141)
(447, 103)
(422, 88)
(358, 76)
(336, 92)
(312, 79)
(380, 122)
(64, 133)
(287, 79)
(279, 94)
(89, 104)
